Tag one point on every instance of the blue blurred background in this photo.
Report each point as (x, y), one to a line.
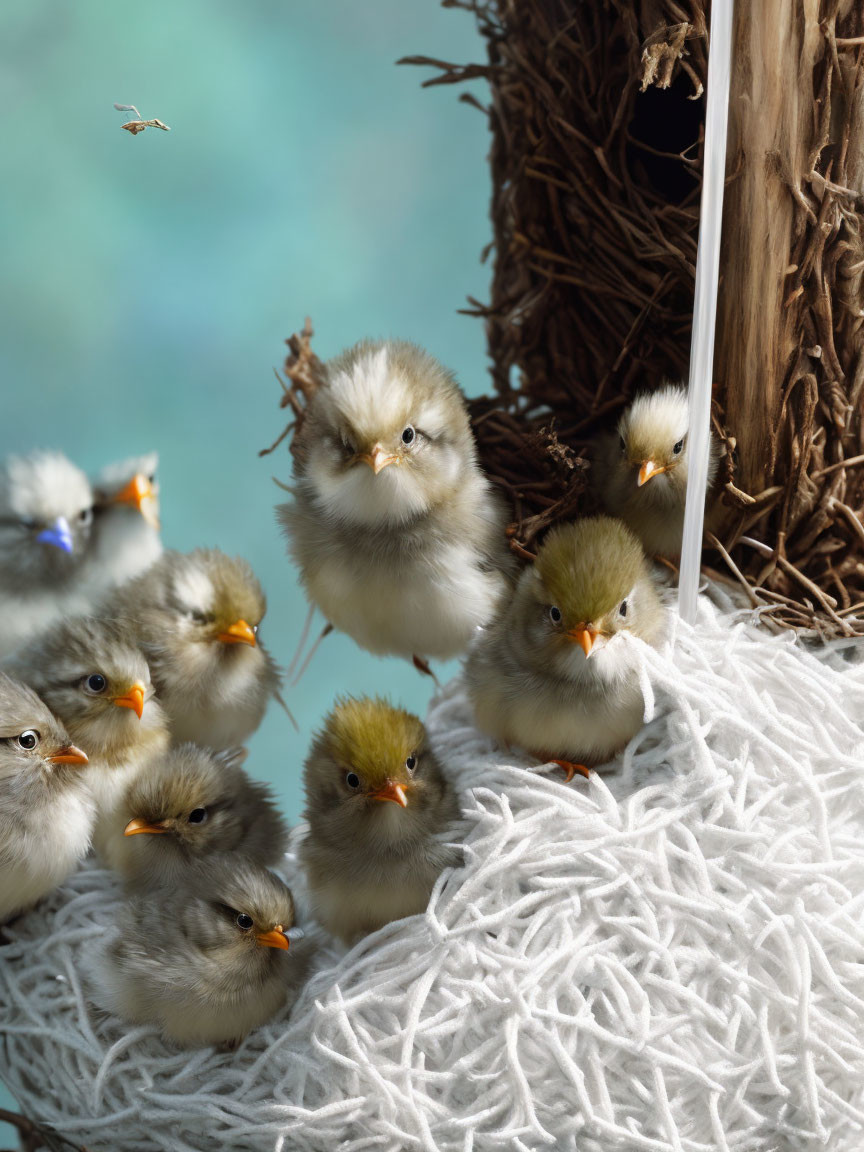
(148, 282)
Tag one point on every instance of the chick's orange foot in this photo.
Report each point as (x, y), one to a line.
(571, 769)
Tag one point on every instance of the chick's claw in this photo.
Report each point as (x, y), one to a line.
(423, 666)
(571, 769)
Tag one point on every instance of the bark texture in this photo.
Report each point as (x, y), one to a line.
(596, 115)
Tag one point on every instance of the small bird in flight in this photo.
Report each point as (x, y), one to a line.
(136, 124)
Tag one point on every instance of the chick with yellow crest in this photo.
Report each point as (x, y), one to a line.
(554, 674)
(196, 617)
(379, 810)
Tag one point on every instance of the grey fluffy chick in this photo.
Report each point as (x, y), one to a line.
(641, 472)
(191, 804)
(96, 681)
(46, 512)
(380, 811)
(46, 809)
(126, 540)
(196, 617)
(554, 675)
(398, 535)
(208, 960)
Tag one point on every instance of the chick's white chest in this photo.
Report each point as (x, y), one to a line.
(428, 605)
(587, 719)
(36, 859)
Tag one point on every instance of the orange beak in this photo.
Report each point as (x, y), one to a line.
(391, 791)
(68, 754)
(133, 699)
(649, 469)
(275, 938)
(585, 637)
(378, 459)
(141, 493)
(238, 633)
(136, 492)
(136, 827)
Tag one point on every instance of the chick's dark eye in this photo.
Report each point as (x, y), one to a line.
(352, 780)
(244, 921)
(411, 763)
(623, 443)
(622, 608)
(678, 448)
(198, 816)
(96, 683)
(555, 614)
(85, 517)
(408, 435)
(28, 740)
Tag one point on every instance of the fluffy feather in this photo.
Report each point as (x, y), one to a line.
(649, 432)
(215, 692)
(59, 666)
(181, 961)
(46, 808)
(199, 803)
(368, 860)
(126, 540)
(530, 681)
(407, 555)
(38, 579)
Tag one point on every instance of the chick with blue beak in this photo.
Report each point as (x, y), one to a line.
(58, 535)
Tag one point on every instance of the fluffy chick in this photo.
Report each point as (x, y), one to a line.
(196, 616)
(554, 674)
(207, 960)
(379, 810)
(46, 513)
(46, 809)
(641, 472)
(126, 540)
(398, 535)
(189, 805)
(94, 678)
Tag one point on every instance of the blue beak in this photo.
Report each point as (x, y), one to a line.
(58, 535)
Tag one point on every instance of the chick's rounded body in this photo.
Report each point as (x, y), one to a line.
(555, 673)
(423, 590)
(92, 675)
(398, 536)
(206, 960)
(46, 513)
(191, 804)
(641, 471)
(47, 810)
(126, 539)
(196, 617)
(380, 812)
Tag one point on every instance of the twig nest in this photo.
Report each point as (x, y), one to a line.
(666, 957)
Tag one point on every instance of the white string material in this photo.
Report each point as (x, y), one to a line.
(668, 958)
(705, 302)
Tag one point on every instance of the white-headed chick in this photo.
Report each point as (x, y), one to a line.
(398, 535)
(640, 474)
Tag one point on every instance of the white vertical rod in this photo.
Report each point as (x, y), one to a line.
(705, 302)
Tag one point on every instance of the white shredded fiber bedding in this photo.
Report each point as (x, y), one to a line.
(668, 957)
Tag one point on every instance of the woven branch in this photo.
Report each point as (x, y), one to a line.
(596, 118)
